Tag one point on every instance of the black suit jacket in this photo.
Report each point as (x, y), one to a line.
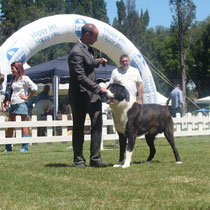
(81, 66)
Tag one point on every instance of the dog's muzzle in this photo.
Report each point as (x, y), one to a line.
(109, 94)
(111, 101)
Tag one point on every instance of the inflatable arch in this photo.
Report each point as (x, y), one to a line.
(40, 34)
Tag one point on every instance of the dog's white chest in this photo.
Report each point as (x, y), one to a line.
(120, 115)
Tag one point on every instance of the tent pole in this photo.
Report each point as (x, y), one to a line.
(55, 84)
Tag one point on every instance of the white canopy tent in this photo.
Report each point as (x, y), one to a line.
(205, 100)
(162, 99)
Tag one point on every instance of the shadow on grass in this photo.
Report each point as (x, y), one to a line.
(142, 162)
(63, 165)
(58, 165)
(109, 147)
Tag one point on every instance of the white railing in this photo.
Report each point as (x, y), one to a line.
(186, 126)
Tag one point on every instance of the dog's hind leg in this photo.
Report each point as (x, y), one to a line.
(170, 137)
(122, 142)
(150, 138)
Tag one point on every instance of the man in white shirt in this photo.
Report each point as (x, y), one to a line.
(129, 77)
(41, 109)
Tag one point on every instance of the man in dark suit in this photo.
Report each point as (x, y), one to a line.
(84, 96)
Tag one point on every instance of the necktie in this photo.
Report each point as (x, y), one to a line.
(90, 50)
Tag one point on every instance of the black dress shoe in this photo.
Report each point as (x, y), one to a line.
(98, 164)
(80, 165)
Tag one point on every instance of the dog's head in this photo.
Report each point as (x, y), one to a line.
(119, 92)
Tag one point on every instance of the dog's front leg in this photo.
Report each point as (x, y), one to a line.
(128, 157)
(122, 143)
(129, 152)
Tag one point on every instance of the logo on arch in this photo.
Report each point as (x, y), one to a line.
(16, 54)
(78, 26)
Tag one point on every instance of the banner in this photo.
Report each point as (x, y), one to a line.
(48, 31)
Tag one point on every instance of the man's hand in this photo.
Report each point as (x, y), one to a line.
(103, 61)
(139, 101)
(103, 90)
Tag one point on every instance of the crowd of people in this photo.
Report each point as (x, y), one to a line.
(84, 96)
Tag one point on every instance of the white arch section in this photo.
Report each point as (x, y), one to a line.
(48, 31)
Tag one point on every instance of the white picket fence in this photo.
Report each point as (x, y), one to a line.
(186, 126)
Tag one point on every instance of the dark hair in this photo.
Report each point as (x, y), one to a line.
(88, 27)
(19, 66)
(123, 56)
(46, 88)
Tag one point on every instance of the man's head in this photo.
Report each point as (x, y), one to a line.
(89, 34)
(178, 86)
(124, 61)
(46, 89)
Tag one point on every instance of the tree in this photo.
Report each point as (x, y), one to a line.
(82, 7)
(121, 13)
(184, 14)
(199, 66)
(51, 7)
(161, 53)
(143, 24)
(15, 14)
(99, 10)
(130, 23)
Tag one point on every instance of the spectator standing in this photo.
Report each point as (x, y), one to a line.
(129, 77)
(1, 87)
(43, 108)
(44, 94)
(176, 99)
(17, 96)
(84, 96)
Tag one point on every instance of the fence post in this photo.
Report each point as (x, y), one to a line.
(2, 130)
(200, 124)
(64, 129)
(34, 129)
(179, 125)
(49, 129)
(189, 125)
(18, 131)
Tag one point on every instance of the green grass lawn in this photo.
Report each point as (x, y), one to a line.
(45, 178)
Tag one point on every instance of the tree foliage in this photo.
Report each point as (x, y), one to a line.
(15, 14)
(184, 14)
(132, 24)
(199, 62)
(18, 13)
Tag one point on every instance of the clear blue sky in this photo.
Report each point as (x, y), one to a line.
(159, 10)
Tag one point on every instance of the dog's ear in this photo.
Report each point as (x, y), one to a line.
(127, 95)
